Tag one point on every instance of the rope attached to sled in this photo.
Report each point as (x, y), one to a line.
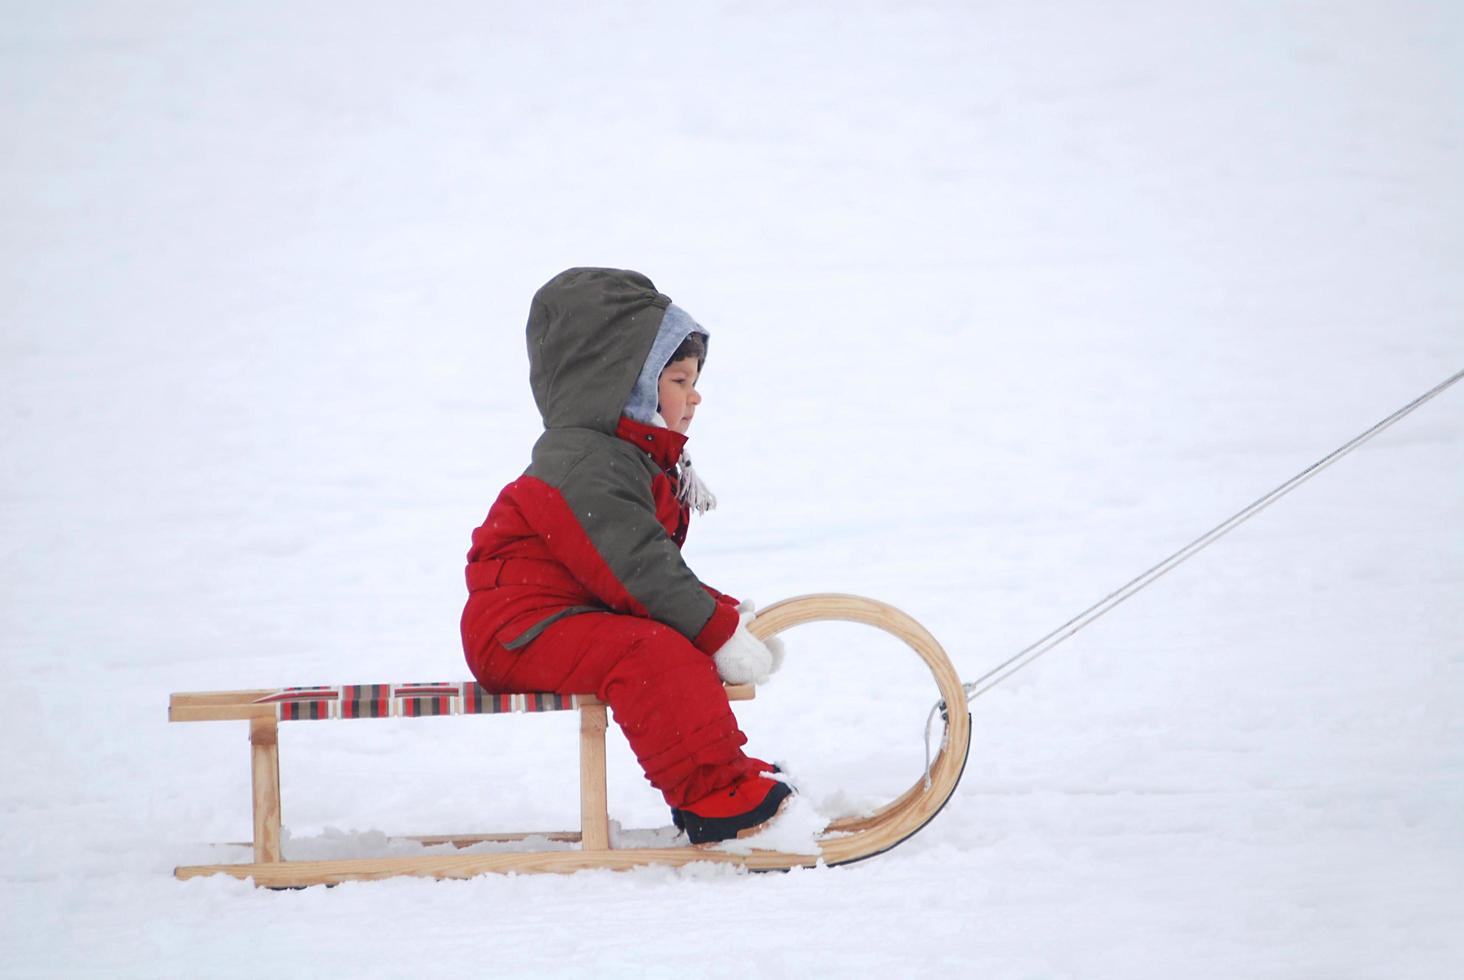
(1024, 657)
(1000, 673)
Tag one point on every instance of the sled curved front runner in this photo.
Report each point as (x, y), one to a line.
(843, 842)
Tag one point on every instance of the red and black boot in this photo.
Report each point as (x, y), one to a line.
(757, 764)
(732, 812)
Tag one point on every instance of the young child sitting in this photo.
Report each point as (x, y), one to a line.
(576, 582)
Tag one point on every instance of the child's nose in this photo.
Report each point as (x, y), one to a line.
(695, 397)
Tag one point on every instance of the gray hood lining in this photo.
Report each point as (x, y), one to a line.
(676, 326)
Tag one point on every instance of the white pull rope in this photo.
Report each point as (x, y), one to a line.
(1001, 672)
(1024, 657)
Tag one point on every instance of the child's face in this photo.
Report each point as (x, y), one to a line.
(678, 394)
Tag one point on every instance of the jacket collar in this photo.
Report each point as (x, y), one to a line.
(662, 445)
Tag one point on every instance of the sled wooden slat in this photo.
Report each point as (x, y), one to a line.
(294, 874)
(246, 705)
(594, 809)
(844, 841)
(264, 765)
(461, 841)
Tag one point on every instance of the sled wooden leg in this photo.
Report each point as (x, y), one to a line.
(264, 757)
(594, 815)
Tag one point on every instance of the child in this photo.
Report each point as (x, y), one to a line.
(576, 582)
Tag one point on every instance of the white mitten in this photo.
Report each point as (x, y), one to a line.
(744, 659)
(748, 608)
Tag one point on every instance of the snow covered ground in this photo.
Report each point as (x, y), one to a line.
(1009, 300)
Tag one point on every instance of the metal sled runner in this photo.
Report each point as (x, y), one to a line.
(843, 842)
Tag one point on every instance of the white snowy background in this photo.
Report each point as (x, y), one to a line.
(1009, 300)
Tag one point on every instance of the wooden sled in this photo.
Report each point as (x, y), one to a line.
(843, 842)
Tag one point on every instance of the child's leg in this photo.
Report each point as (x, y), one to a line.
(664, 692)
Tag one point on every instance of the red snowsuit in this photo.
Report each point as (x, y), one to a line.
(575, 580)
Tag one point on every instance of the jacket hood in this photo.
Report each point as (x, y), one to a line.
(591, 335)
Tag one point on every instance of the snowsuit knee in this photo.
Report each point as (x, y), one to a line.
(576, 582)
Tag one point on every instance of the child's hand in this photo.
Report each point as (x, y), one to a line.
(744, 659)
(748, 608)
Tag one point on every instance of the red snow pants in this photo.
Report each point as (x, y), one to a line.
(665, 695)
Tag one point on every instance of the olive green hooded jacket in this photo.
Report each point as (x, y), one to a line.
(594, 523)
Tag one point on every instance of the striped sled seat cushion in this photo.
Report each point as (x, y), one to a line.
(406, 701)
